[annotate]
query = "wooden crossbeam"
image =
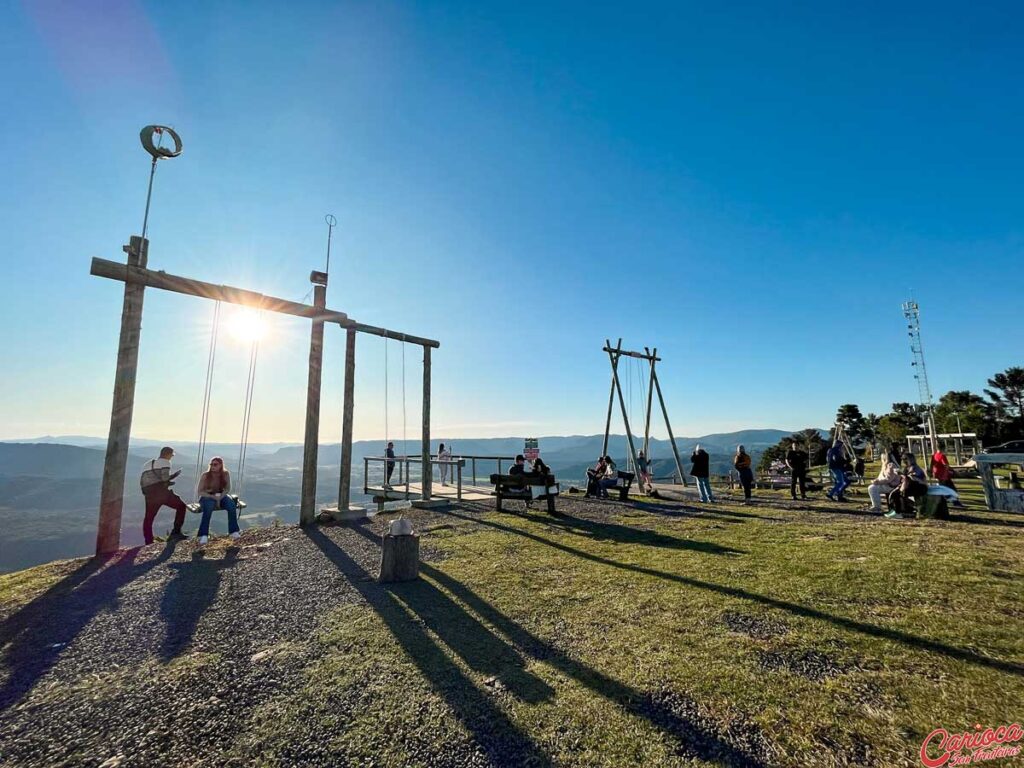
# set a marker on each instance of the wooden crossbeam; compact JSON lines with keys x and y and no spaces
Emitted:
{"x":627,"y":353}
{"x":137,"y":275}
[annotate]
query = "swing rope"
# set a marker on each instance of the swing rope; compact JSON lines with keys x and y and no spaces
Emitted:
{"x":405,"y":447}
{"x":243,"y":447}
{"x":205,"y":419}
{"x":386,"y":424}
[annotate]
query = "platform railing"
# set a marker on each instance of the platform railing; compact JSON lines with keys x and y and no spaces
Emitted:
{"x":403,"y":465}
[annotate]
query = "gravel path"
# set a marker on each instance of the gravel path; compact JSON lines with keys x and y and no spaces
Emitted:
{"x":158,"y":657}
{"x":63,"y":651}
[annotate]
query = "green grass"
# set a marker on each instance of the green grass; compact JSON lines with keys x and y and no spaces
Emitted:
{"x":579,"y":635}
{"x":619,"y":638}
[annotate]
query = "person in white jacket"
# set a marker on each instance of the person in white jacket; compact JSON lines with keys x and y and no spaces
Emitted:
{"x":443,"y":454}
{"x":888,"y":479}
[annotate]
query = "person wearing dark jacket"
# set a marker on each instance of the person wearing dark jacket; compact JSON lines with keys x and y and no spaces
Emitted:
{"x":796,"y":460}
{"x":743,"y":465}
{"x":836,"y":458}
{"x":701,"y":473}
{"x":594,"y":475}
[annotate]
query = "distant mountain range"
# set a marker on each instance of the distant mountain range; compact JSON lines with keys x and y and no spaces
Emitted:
{"x":49,"y":486}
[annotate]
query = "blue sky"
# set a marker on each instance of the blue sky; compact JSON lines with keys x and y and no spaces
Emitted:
{"x":752,"y":189}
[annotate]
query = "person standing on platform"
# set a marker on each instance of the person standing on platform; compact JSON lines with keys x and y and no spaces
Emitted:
{"x":443,"y":455}
{"x":156,"y":481}
{"x":796,"y":460}
{"x":701,"y":472}
{"x":743,"y":465}
{"x":389,"y":465}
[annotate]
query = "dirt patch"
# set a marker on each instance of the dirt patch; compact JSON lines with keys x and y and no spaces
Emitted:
{"x":697,"y":734}
{"x":758,"y":627}
{"x":811,"y":664}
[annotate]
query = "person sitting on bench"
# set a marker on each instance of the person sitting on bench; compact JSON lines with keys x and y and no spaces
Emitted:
{"x":540,"y":468}
{"x":888,"y":479}
{"x":611,"y":477}
{"x":214,"y":486}
{"x":519,"y":467}
{"x":594,"y":475}
{"x":156,"y":481}
{"x":913,"y":484}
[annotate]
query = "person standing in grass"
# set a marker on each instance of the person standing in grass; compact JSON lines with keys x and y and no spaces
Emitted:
{"x":942,"y":472}
{"x":836,"y":458}
{"x":643,"y":469}
{"x":743,"y":465}
{"x":701,"y":472}
{"x":796,"y":460}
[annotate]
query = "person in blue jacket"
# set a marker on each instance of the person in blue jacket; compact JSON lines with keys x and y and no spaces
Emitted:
{"x":836,"y":458}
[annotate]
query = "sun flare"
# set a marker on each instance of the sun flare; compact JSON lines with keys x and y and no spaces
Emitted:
{"x":248,"y":326}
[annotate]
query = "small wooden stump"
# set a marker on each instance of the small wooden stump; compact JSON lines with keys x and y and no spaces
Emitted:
{"x":400,"y":558}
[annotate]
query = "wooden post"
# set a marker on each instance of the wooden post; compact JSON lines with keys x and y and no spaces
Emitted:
{"x":345,"y":480}
{"x":108,"y":531}
{"x":650,"y":396}
{"x":427,"y":470}
{"x":611,"y":397}
{"x":622,"y":405}
{"x":399,"y":558}
{"x":307,"y":505}
{"x":671,"y":437}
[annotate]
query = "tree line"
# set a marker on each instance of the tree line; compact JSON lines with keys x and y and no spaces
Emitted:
{"x":995,"y":418}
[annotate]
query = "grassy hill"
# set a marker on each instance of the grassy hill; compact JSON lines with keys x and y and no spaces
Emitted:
{"x":638,"y":634}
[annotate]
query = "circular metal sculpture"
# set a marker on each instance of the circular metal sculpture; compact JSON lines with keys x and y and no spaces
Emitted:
{"x":147,"y":134}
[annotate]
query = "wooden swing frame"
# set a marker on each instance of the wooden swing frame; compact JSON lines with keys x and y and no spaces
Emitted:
{"x":136,"y":277}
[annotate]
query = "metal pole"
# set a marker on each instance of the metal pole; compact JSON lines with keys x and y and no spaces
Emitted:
{"x":345,"y":479}
{"x":474,"y":470}
{"x":108,"y":529}
{"x":458,"y":468}
{"x":671,"y":437}
{"x":307,"y":504}
{"x":428,"y":475}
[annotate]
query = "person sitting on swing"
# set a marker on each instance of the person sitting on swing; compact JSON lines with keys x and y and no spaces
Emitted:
{"x":594,"y":475}
{"x":156,"y":481}
{"x":214,"y":486}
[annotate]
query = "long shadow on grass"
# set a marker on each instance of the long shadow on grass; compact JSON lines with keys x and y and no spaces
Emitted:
{"x":894,"y":635}
{"x":37,"y":634}
{"x":190,"y":593}
{"x":693,"y":738}
{"x":624,"y":534}
{"x":502,"y":741}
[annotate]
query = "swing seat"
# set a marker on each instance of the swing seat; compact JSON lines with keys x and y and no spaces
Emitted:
{"x":194,"y":507}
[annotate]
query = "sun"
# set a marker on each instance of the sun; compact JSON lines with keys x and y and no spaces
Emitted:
{"x":247,"y":325}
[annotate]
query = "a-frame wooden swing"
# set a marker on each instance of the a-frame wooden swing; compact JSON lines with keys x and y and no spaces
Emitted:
{"x":136,"y":277}
{"x":653,"y":385}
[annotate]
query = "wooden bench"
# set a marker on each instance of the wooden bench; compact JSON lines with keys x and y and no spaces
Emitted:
{"x":622,"y":488}
{"x":526,"y":488}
